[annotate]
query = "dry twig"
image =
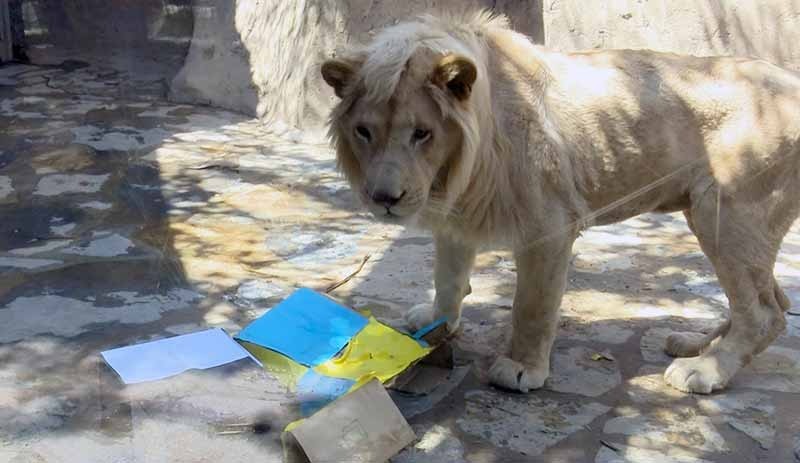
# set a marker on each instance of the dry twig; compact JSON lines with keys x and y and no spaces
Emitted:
{"x":342,"y":282}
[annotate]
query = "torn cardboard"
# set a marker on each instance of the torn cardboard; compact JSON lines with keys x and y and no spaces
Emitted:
{"x":422,"y":393}
{"x":362,"y":426}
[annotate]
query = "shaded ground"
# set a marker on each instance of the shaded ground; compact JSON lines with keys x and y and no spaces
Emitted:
{"x":129,"y":220}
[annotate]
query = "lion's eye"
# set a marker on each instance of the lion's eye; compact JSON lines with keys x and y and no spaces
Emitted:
{"x":421,"y":135}
{"x":363,"y":133}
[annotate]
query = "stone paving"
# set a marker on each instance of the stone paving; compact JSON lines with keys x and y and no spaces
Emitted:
{"x":129,"y":220}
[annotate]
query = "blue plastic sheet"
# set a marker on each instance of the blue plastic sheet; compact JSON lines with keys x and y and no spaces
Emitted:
{"x":427,"y":329}
{"x":315,"y":391}
{"x":307,"y":327}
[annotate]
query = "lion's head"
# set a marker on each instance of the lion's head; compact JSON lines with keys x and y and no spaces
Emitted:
{"x":406,"y":126}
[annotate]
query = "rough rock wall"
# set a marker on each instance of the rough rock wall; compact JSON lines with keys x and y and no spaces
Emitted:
{"x":146,"y":39}
{"x":107,"y":24}
{"x":768,"y":29}
{"x":262,"y":57}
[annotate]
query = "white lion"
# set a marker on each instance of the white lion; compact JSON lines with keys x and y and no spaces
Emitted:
{"x":483,"y":137}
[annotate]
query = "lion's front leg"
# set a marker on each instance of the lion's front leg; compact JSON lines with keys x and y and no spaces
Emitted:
{"x":541,"y":280}
{"x":454,"y":261}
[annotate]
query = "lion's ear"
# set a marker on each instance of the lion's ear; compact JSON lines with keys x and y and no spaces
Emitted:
{"x":456,"y":74}
{"x":338,"y":74}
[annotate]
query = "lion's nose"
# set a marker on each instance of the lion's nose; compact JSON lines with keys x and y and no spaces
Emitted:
{"x":387,"y":198}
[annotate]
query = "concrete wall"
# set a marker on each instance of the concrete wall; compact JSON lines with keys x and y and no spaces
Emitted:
{"x":262,"y":57}
{"x":768,"y":29}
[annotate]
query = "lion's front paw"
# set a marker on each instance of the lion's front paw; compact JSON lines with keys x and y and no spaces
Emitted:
{"x":422,"y":315}
{"x":510,"y":374}
{"x":419,"y":316}
{"x":702,"y":375}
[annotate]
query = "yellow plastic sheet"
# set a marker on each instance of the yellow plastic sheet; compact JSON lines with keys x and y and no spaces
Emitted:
{"x":377,"y":351}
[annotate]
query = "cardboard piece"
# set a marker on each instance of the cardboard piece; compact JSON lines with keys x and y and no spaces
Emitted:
{"x":432,"y":379}
{"x":422,"y":379}
{"x":425,"y":375}
{"x":307,"y":327}
{"x":442,"y":356}
{"x":427,"y":330}
{"x":434,"y":334}
{"x":163,"y":358}
{"x":362,"y":426}
{"x":435,"y":389}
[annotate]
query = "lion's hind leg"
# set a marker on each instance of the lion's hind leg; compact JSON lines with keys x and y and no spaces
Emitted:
{"x":736,"y":237}
{"x":689,"y":344}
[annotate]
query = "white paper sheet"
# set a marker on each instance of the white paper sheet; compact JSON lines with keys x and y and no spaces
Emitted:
{"x":167,"y":357}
